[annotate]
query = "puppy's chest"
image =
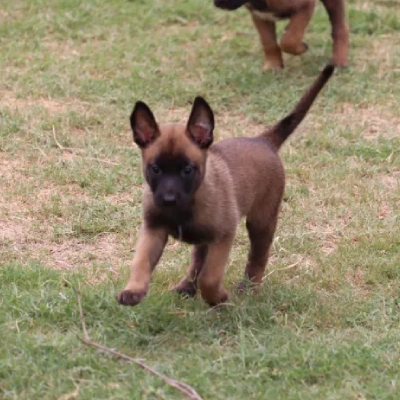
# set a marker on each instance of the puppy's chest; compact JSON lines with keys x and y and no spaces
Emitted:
{"x":182,"y":227}
{"x":191,"y":233}
{"x":265,"y":15}
{"x":261,"y":10}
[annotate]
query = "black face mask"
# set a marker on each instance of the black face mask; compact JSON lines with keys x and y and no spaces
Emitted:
{"x":173,"y":180}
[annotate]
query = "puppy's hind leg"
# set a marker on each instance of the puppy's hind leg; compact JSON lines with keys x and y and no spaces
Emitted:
{"x":261,"y":237}
{"x":292,"y":39}
{"x":188,"y":285}
{"x":340,"y":31}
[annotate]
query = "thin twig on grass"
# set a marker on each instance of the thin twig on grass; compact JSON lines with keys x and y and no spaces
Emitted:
{"x":187,"y":390}
{"x":79,"y":151}
{"x":281,"y":269}
{"x":59,"y":145}
{"x":102,"y":160}
{"x":40,"y":150}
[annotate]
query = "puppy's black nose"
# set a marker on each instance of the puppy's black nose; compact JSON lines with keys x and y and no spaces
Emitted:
{"x":169,"y":199}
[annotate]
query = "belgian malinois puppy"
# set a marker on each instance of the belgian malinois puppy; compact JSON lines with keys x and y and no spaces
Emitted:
{"x":266,"y":12}
{"x":197,"y":192}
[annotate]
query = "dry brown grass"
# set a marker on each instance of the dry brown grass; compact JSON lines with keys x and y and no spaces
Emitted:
{"x":226,"y":124}
{"x":9,"y":99}
{"x":26,"y":231}
{"x":375,"y":120}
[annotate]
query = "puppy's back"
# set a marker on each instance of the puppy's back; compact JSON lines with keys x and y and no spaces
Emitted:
{"x":255,"y":168}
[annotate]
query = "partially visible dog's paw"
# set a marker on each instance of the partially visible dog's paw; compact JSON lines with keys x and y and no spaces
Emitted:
{"x":340,"y":62}
{"x":247,"y":286}
{"x":130,"y":298}
{"x":294,"y":49}
{"x":185,"y":288}
{"x":243,"y":286}
{"x":272,"y":66}
{"x":217,"y":301}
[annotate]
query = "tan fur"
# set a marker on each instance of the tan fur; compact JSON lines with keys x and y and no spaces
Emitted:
{"x":174,"y":140}
{"x":241,"y":177}
{"x":299,"y":13}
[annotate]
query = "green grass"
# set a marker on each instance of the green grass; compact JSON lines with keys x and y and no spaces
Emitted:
{"x":70,"y":205}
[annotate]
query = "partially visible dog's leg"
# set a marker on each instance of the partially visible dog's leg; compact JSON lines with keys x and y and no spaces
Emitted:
{"x":267,"y":33}
{"x":188,"y":285}
{"x":292,"y":38}
{"x":260,"y":242}
{"x":213,"y":271}
{"x":149,"y":247}
{"x":340,"y":31}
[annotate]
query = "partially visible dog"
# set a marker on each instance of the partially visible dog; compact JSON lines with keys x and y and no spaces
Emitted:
{"x":197,"y":192}
{"x":266,"y":12}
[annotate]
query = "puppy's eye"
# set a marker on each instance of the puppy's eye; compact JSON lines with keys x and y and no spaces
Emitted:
{"x":155,"y":169}
{"x":187,"y":170}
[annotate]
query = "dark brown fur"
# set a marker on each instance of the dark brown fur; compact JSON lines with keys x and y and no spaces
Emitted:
{"x":299,"y":12}
{"x":235,"y":178}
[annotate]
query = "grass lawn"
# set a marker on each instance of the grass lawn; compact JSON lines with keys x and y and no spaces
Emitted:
{"x":326,"y":324}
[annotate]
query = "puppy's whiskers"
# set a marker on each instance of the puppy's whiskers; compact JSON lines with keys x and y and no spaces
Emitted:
{"x":180,"y":232}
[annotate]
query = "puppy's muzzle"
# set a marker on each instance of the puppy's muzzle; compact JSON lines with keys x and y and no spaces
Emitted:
{"x":169,"y":199}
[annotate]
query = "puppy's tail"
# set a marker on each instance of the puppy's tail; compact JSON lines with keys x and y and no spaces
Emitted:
{"x":277,"y":134}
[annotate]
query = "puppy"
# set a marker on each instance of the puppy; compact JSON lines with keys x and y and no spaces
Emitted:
{"x":299,"y":12}
{"x":197,"y":192}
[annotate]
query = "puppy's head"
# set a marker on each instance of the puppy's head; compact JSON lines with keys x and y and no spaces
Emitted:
{"x":229,"y":4}
{"x":173,"y":155}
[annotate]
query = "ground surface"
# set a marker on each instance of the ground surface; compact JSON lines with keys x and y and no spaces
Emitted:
{"x":327,"y":322}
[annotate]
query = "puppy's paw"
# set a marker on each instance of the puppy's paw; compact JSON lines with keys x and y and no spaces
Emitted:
{"x":185,"y":288}
{"x":294,"y":49}
{"x":248,"y":286}
{"x":243,"y":286}
{"x":272,"y":65}
{"x":340,"y":61}
{"x":130,"y":298}
{"x":217,"y":301}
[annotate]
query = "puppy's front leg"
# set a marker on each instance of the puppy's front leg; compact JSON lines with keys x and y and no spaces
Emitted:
{"x":149,"y":247}
{"x":267,"y":33}
{"x":213,"y":271}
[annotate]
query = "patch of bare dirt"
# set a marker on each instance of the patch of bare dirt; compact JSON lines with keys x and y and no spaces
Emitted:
{"x":229,"y":125}
{"x":14,"y":229}
{"x":29,"y":238}
{"x":27,"y":218}
{"x":125,"y":197}
{"x":4,"y":15}
{"x":103,"y":249}
{"x":329,"y":231}
{"x":380,"y":5}
{"x":379,"y":49}
{"x":16,"y":208}
{"x":9,"y":99}
{"x":226,"y":125}
{"x":391,"y":182}
{"x":63,"y":50}
{"x":375,"y":120}
{"x":356,"y":278}
{"x":12,"y":170}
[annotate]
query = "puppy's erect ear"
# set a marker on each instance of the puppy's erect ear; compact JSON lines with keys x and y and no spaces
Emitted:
{"x":144,"y":125}
{"x":200,"y":126}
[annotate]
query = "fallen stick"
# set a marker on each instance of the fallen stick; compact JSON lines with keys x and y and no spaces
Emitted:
{"x":73,"y":150}
{"x":187,"y":390}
